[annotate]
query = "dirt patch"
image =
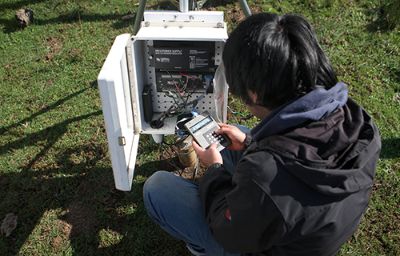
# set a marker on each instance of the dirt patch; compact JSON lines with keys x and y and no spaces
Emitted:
{"x":191,"y":173}
{"x":65,"y":228}
{"x":235,"y":15}
{"x":80,"y":220}
{"x":57,"y":242}
{"x":54,"y":46}
{"x":169,"y":161}
{"x":64,"y":233}
{"x":165,"y":5}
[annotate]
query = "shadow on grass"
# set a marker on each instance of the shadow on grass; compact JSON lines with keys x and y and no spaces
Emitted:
{"x":76,"y":188}
{"x":164,"y":5}
{"x":90,"y":205}
{"x":216,"y":3}
{"x":390,"y":148}
{"x":19,"y":4}
{"x":75,"y":16}
{"x":42,"y":111}
{"x":396,"y":76}
{"x":379,"y":21}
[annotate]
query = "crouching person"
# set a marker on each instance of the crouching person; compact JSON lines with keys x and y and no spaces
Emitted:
{"x":299,"y":182}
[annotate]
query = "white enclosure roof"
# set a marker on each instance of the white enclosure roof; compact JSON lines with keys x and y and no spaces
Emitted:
{"x":193,"y":26}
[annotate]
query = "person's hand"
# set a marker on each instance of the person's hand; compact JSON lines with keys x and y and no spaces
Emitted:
{"x":208,"y":156}
{"x":235,"y":134}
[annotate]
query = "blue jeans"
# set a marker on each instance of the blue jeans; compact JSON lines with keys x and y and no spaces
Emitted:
{"x":174,"y":203}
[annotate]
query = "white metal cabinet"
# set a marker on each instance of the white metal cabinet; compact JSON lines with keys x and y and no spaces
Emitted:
{"x":118,"y":113}
{"x":126,"y":71}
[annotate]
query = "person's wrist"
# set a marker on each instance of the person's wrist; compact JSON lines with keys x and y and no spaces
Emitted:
{"x":242,"y":139}
{"x":247,"y":140}
{"x":215,"y":165}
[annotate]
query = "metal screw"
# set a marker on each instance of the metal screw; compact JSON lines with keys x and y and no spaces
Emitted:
{"x":147,"y":24}
{"x":220,"y":25}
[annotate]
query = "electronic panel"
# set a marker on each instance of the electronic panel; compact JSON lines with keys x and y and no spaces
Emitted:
{"x":183,"y":56}
{"x":181,"y":73}
{"x":184,"y":82}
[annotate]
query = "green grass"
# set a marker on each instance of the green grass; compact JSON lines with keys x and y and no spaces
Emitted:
{"x":55,"y":172}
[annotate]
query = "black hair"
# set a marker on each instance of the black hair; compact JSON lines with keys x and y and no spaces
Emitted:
{"x":277,"y":57}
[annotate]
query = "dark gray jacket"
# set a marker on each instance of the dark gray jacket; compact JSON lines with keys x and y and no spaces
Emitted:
{"x":299,"y":191}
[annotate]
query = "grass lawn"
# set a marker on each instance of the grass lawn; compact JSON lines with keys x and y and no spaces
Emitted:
{"x":55,"y":171}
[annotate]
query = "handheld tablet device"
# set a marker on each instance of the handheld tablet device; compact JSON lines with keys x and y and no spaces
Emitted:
{"x":203,"y":128}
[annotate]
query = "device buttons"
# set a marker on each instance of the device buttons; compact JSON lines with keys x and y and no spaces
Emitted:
{"x":218,"y":137}
{"x":212,"y":137}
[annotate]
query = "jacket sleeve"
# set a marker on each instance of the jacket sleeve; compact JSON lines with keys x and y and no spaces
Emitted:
{"x":241,"y":215}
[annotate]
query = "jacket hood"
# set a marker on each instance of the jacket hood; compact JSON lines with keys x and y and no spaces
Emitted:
{"x":336,"y":154}
{"x":312,"y":106}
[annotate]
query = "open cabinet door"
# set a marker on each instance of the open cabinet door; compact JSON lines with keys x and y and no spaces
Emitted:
{"x":113,"y":82}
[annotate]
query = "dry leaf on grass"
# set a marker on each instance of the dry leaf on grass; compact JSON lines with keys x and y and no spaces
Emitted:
{"x":9,"y":224}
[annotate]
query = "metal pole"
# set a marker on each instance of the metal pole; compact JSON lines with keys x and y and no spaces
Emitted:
{"x":245,"y":8}
{"x":184,"y":5}
{"x":139,"y":16}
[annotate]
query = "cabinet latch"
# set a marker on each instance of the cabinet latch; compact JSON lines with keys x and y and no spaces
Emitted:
{"x":121,"y":141}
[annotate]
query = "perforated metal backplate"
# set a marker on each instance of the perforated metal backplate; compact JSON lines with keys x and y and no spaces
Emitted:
{"x":162,"y":102}
{"x":219,"y":47}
